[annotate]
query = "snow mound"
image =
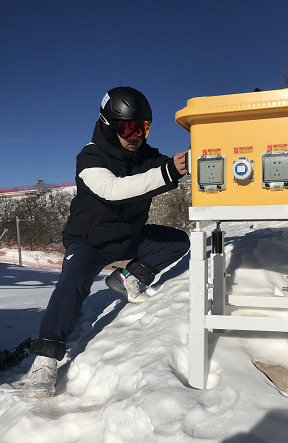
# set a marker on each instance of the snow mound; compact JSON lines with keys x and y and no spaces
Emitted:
{"x":124,"y":378}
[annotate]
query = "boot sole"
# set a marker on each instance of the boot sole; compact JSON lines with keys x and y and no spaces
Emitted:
{"x":124,"y":292}
{"x":40,"y":393}
{"x":116,"y":288}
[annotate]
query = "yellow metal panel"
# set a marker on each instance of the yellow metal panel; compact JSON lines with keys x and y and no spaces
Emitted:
{"x":239,"y":125}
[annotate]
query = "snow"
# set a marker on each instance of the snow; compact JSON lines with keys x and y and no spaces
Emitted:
{"x":35,"y":259}
{"x":124,"y":378}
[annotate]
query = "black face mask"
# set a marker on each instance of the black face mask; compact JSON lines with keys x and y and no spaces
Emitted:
{"x":109,"y":132}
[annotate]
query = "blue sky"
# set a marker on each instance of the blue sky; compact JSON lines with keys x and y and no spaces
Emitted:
{"x":59,"y":57}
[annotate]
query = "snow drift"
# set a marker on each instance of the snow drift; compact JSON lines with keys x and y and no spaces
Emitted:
{"x":124,"y":378}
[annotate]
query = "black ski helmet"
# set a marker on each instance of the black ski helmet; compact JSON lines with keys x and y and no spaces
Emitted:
{"x":124,"y":103}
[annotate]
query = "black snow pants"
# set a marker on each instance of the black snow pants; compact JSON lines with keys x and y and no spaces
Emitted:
{"x":156,"y":248}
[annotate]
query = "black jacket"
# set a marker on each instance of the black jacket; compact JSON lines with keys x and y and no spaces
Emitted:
{"x":114,"y":191}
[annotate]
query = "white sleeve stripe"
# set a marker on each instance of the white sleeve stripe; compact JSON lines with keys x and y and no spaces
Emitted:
{"x":168,"y":173}
{"x":104,"y":183}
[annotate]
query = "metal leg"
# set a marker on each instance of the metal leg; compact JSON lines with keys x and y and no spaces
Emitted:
{"x":198,"y":307}
{"x":218,"y":267}
{"x":219,"y":283}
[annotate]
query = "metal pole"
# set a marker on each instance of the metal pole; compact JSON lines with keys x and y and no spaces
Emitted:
{"x":18,"y":240}
{"x":198,"y":364}
{"x":3,"y":233}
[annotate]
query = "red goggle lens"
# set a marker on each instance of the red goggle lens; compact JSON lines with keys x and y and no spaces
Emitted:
{"x":131,"y":130}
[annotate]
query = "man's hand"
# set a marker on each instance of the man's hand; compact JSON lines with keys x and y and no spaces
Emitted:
{"x":179,"y":162}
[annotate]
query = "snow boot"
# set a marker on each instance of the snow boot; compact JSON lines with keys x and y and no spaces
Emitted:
{"x":44,"y":372}
{"x":122,"y":281}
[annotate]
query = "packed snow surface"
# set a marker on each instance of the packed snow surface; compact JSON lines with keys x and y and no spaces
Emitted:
{"x":124,"y":378}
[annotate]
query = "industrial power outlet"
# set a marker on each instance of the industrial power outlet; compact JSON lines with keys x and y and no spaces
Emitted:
{"x":239,"y":148}
{"x":211,"y":173}
{"x":274,"y":170}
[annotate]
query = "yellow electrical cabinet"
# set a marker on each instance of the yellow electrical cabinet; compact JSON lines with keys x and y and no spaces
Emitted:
{"x":239,"y":148}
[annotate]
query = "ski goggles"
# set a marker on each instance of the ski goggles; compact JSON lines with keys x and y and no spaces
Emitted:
{"x":131,"y":130}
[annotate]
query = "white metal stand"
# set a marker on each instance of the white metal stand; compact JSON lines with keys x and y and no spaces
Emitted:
{"x":209,"y":314}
